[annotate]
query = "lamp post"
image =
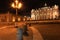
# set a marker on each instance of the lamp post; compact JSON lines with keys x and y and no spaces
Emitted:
{"x":17,"y":6}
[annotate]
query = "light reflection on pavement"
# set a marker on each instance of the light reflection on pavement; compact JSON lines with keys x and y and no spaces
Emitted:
{"x":7,"y":33}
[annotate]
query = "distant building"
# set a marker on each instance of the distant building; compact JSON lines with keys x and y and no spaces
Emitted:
{"x":8,"y":17}
{"x":45,"y":13}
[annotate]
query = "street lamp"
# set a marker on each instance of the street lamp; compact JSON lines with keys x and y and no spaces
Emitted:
{"x":17,"y":6}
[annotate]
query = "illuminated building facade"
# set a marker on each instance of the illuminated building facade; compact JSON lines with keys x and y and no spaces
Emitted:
{"x":45,"y":13}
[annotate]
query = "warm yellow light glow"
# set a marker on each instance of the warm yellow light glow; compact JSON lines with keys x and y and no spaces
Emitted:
{"x":13,"y":5}
{"x":32,"y":10}
{"x":20,"y":5}
{"x":16,"y":1}
{"x":16,"y":4}
{"x":33,"y":17}
{"x":56,"y":7}
{"x":19,"y":19}
{"x":13,"y":19}
{"x":25,"y":16}
{"x":23,"y":19}
{"x":55,"y":14}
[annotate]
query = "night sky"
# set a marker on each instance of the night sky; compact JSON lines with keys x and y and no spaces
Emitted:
{"x":5,"y":5}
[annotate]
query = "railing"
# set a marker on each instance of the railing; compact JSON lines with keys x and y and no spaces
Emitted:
{"x":31,"y":21}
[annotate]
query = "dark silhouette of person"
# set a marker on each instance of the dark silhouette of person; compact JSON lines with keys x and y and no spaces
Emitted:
{"x":25,"y":29}
{"x":19,"y":33}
